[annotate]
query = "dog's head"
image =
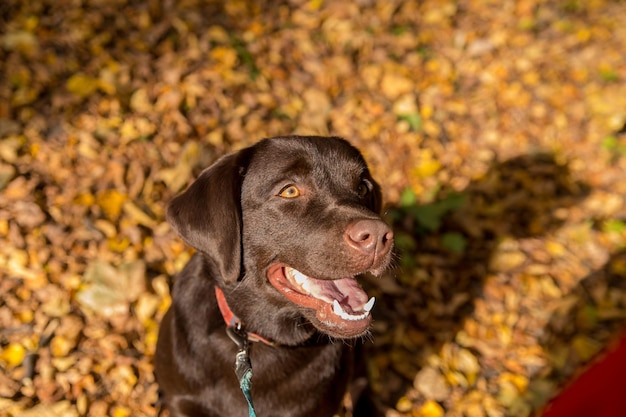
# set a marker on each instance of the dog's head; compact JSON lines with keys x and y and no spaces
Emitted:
{"x":287,"y":226}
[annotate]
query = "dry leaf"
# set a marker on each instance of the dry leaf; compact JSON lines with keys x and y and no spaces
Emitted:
{"x":107,"y":112}
{"x":109,"y":290}
{"x":82,"y":85}
{"x":430,"y":409}
{"x":431,"y":383}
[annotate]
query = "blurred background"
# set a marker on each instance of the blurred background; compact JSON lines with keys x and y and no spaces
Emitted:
{"x":495,"y":128}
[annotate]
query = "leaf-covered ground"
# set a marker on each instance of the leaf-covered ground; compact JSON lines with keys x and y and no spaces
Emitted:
{"x":496,"y":129}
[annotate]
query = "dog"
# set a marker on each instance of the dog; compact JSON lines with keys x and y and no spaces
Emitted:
{"x":282,"y":231}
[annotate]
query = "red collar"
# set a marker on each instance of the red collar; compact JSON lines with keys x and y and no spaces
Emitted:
{"x":233,"y":321}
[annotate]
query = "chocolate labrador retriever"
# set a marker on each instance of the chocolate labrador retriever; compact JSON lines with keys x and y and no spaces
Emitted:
{"x":283,"y":230}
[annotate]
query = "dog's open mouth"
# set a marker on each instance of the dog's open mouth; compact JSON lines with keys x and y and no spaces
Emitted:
{"x":340,"y":304}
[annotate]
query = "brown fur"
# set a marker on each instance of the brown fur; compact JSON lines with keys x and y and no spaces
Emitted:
{"x":237,"y":218}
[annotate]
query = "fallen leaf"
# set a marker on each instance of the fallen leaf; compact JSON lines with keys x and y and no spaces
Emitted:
{"x":432,"y":384}
{"x":59,"y":409}
{"x":21,"y":41}
{"x":111,"y":203}
{"x":430,"y":409}
{"x":108,"y":290}
{"x":82,"y":85}
{"x":13,"y":354}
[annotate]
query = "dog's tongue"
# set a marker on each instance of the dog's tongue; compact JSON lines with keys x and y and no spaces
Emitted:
{"x":339,"y":302}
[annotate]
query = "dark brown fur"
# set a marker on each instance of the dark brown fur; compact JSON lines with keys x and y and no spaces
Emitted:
{"x":243,"y":226}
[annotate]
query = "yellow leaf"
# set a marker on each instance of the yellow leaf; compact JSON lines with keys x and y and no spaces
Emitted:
{"x":140,"y":101}
{"x":121,"y":412}
{"x":394,"y":85}
{"x":520,"y":382}
{"x":426,"y":111}
{"x":111,"y":203}
{"x":82,"y":85}
{"x":428,"y":164}
{"x":106,"y":227}
{"x":467,"y":363}
{"x":618,"y":266}
{"x":34,"y":149}
{"x":427,"y":168}
{"x":31,"y":23}
{"x":507,"y":393}
{"x":585,"y":347}
{"x":128,"y":132}
{"x":13,"y":354}
{"x":26,"y":316}
{"x":430,"y":409}
{"x":106,"y":81}
{"x":151,"y":335}
{"x":224,"y":55}
{"x":215,"y":137}
{"x":21,"y":41}
{"x":315,"y":4}
{"x":138,"y":215}
{"x":555,"y":248}
{"x":85,"y":199}
{"x":583,"y":35}
{"x":60,"y":346}
{"x":217,"y":34}
{"x":404,"y":405}
{"x":507,"y":261}
{"x":118,"y":245}
{"x":549,"y":287}
{"x":146,"y":307}
{"x":106,"y":85}
{"x":505,"y":335}
{"x":404,"y":105}
{"x":62,"y":408}
{"x":456,"y":379}
{"x":175,"y":178}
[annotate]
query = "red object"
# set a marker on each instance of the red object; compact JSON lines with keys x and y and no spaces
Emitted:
{"x":599,"y":392}
{"x":233,"y":321}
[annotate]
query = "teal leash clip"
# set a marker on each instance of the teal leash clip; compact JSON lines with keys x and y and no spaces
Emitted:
{"x":243,"y":366}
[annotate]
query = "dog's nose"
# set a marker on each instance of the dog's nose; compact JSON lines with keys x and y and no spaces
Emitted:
{"x":369,"y":236}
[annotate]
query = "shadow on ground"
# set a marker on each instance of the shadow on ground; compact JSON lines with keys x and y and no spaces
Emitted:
{"x":445,"y":253}
{"x":589,"y":318}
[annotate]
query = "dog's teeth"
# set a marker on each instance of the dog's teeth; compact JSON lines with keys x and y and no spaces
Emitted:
{"x":368,"y":307}
{"x":339,"y":311}
{"x":301,"y":279}
{"x":306,"y":286}
{"x":299,"y":276}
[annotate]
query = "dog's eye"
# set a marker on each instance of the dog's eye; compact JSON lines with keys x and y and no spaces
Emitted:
{"x":363,"y":189}
{"x":290,"y":191}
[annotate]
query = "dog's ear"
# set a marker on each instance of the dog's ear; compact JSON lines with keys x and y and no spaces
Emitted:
{"x":208,"y":214}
